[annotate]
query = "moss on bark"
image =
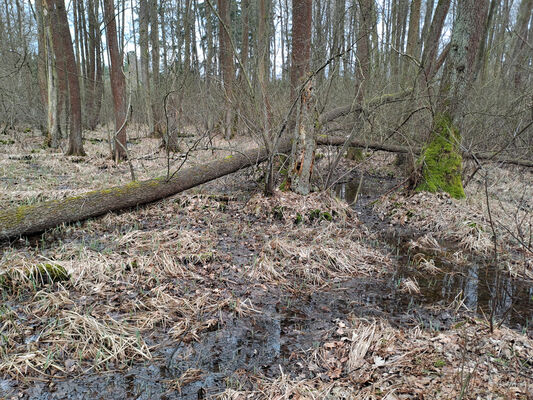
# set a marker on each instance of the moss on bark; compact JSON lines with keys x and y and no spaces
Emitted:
{"x":441,"y":160}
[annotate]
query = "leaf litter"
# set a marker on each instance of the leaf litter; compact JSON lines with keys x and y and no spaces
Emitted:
{"x":244,"y":296}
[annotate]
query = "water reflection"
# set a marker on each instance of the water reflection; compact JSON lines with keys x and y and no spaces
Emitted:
{"x":483,"y":289}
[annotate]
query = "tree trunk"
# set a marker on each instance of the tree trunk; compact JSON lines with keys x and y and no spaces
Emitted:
{"x":75,"y":142}
{"x":42,"y":53}
{"x":157,"y":106}
{"x":303,"y":149}
{"x":245,"y":10}
{"x":144,"y":18}
{"x":226,"y":64}
{"x":431,"y":45}
{"x":94,"y":86}
{"x":442,"y":159}
{"x":118,"y":82}
{"x":338,"y":35}
{"x":53,"y":133}
{"x":518,"y":54}
{"x":413,"y":36}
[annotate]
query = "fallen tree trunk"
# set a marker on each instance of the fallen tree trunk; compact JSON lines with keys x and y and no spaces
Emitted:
{"x":392,"y":148}
{"x":26,"y":220}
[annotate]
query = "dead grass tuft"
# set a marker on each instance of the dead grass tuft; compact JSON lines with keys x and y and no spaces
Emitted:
{"x":312,"y":256}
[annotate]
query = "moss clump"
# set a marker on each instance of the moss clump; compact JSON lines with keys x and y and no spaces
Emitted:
{"x":442,"y":161}
{"x":37,"y":275}
{"x":355,"y":154}
{"x":320,"y":215}
{"x":48,"y":273}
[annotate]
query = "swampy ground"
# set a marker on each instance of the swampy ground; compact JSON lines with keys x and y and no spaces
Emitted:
{"x":362,"y":291}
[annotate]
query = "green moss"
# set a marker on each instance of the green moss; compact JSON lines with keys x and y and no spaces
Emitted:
{"x":228,"y":157}
{"x":318,"y":214}
{"x":439,"y":363}
{"x":355,"y":154}
{"x":442,"y":161}
{"x":47,"y":273}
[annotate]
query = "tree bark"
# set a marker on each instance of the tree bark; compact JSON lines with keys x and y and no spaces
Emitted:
{"x":441,"y":170}
{"x":413,"y":36}
{"x":303,"y":149}
{"x":53,"y":135}
{"x":518,"y":54}
{"x":95,"y":84}
{"x":226,"y":64}
{"x":75,"y":142}
{"x":118,"y":82}
{"x":157,"y":106}
{"x":431,"y":45}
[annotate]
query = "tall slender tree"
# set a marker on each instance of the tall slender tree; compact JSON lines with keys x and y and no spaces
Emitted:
{"x":118,"y":82}
{"x":75,"y":141}
{"x":227,"y":67}
{"x":304,"y":142}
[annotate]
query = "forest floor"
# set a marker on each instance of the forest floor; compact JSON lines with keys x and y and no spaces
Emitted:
{"x":361,"y":292}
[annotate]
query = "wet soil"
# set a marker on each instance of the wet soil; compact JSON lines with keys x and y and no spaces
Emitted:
{"x":287,"y":327}
{"x":480,"y":288}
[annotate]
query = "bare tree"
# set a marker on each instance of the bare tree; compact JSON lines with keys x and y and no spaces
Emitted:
{"x":75,"y":142}
{"x":118,"y":82}
{"x":304,"y":143}
{"x":226,"y":64}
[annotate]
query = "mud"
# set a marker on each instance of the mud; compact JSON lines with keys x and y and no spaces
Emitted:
{"x":481,"y":288}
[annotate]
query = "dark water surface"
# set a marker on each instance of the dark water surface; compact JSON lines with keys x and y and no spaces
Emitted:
{"x":480,"y":287}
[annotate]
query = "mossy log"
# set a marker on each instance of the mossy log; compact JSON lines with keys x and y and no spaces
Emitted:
{"x":26,"y":220}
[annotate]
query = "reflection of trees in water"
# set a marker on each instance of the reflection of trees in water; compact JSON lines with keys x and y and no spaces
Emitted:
{"x":481,"y":288}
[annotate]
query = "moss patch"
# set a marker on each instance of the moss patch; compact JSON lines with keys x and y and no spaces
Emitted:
{"x":442,"y":161}
{"x":47,"y":273}
{"x":355,"y":154}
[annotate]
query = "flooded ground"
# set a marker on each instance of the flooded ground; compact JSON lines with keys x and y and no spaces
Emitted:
{"x":481,"y":287}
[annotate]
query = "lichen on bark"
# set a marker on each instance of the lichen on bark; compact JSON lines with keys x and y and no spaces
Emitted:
{"x":441,"y":160}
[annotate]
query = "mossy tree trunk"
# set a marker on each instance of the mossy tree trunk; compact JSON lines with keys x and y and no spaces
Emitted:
{"x":441,"y":159}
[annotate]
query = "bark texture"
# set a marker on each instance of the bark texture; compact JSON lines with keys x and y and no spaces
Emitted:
{"x":75,"y":142}
{"x":303,"y":149}
{"x":226,"y":63}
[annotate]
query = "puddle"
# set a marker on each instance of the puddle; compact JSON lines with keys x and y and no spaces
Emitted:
{"x":484,"y":290}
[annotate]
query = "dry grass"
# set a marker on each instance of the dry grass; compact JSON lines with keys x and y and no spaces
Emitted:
{"x":160,"y":273}
{"x":319,"y":241}
{"x":373,"y":360}
{"x":465,"y":227}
